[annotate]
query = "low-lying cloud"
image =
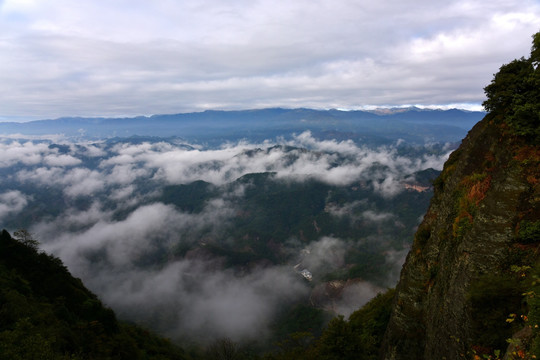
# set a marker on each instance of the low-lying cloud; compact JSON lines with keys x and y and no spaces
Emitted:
{"x":193,"y":297}
{"x":125,"y":242}
{"x":333,"y":162}
{"x":202,"y":301}
{"x":12,"y":202}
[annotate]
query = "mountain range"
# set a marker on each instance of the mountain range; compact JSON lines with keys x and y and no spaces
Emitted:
{"x":215,"y":127}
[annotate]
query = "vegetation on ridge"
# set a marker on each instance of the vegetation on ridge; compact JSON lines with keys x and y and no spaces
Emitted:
{"x":47,"y":314}
{"x":514,"y":94}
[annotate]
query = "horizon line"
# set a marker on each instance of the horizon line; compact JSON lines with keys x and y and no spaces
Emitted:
{"x":471,"y":107}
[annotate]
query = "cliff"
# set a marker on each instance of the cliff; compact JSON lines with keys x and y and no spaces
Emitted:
{"x":476,"y":251}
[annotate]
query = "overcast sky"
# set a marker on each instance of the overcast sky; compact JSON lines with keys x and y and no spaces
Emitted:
{"x":138,"y":57}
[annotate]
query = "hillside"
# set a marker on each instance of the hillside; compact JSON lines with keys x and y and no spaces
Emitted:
{"x":469,"y":281}
{"x":45,"y":313}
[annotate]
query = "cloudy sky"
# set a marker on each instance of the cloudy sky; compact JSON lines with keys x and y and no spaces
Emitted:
{"x":136,"y":57}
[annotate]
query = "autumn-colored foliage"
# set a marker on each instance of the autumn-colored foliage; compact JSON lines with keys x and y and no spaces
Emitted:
{"x":478,"y":191}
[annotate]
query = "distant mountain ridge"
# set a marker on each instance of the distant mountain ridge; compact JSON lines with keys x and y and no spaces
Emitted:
{"x":412,"y":124}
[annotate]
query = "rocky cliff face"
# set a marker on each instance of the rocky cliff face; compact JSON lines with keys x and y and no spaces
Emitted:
{"x":459,"y":283}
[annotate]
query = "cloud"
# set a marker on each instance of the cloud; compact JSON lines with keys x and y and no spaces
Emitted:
{"x":61,"y":160}
{"x":376,"y":217}
{"x":333,"y":162}
{"x":12,"y":202}
{"x":395,"y":260}
{"x":27,"y":153}
{"x":132,"y":58}
{"x":355,"y":296}
{"x":146,"y":231}
{"x":89,"y":169}
{"x":193,"y":297}
{"x":77,"y":181}
{"x":324,"y":256}
{"x":130,"y":247}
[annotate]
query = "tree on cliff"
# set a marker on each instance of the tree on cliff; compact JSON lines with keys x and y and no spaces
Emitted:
{"x":514,"y":94}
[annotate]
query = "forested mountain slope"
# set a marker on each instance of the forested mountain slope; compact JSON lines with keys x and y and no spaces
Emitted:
{"x":45,"y":313}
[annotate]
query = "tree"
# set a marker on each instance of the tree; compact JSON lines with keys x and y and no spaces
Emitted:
{"x":223,"y":349}
{"x":513,"y":96}
{"x":26,"y":238}
{"x":535,"y":50}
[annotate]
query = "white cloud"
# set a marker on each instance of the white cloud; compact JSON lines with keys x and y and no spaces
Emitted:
{"x":330,"y":161}
{"x":12,"y":202}
{"x":324,"y":256}
{"x":27,"y":153}
{"x":333,"y":162}
{"x":93,"y":150}
{"x":77,"y":233}
{"x":375,"y":216}
{"x":61,"y":160}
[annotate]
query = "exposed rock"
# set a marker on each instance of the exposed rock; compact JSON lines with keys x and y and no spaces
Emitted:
{"x":416,"y":187}
{"x":483,"y":193}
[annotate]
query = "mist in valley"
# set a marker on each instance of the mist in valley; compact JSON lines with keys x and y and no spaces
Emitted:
{"x":183,"y":265}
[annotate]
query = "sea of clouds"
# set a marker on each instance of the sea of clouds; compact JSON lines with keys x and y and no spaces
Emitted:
{"x":193,"y":296}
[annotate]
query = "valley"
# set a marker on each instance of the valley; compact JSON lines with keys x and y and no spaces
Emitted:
{"x":188,"y":239}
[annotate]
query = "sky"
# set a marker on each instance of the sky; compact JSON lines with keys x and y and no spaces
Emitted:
{"x":135,"y":57}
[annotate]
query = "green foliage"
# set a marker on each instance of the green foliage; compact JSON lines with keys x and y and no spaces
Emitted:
{"x":226,"y":349}
{"x":513,"y":96}
{"x":45,"y":313}
{"x":25,"y":342}
{"x":532,"y":296}
{"x":529,"y":232}
{"x":301,"y":318}
{"x":493,"y":297}
{"x":359,"y":337}
{"x":339,"y":341}
{"x":470,"y":192}
{"x":191,"y":197}
{"x":462,"y":224}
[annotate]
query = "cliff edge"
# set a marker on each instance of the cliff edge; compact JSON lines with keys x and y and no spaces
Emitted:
{"x":467,"y":285}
